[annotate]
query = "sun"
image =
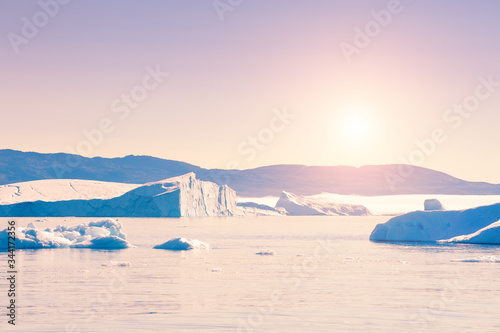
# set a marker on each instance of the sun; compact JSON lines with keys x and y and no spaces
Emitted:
{"x":355,"y":126}
{"x":355,"y":123}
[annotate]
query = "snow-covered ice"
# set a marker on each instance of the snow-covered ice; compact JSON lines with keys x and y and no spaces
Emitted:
{"x":183,"y":244}
{"x":61,"y":189}
{"x":476,"y":225}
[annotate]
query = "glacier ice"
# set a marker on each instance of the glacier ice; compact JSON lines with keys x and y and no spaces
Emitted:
{"x":476,"y":225}
{"x":183,"y":244}
{"x":299,"y":205}
{"x":182,"y":196}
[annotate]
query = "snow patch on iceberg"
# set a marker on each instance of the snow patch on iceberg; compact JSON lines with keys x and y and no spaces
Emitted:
{"x":183,"y":244}
{"x":487,"y":235}
{"x":105,"y":234}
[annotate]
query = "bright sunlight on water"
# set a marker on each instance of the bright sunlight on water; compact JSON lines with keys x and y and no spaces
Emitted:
{"x":325,"y":276}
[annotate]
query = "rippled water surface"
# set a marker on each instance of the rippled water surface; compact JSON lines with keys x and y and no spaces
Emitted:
{"x":325,"y":277}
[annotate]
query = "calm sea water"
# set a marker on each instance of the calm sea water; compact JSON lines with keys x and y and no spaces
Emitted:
{"x":325,"y":277}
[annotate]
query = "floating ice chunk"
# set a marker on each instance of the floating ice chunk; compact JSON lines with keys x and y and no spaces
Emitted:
{"x":117,"y":264}
{"x":46,"y":239}
{"x":114,"y":227}
{"x":109,"y":243}
{"x":266,"y":253}
{"x":105,"y":234}
{"x":488,"y":259}
{"x":183,"y":244}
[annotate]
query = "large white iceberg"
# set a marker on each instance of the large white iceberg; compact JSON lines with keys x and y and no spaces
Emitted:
{"x":299,"y":205}
{"x":476,"y":225}
{"x":174,"y":197}
{"x":61,"y":189}
{"x":105,"y":234}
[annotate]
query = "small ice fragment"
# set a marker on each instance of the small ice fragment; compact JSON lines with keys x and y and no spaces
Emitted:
{"x":487,"y":259}
{"x":266,"y":253}
{"x":112,"y":263}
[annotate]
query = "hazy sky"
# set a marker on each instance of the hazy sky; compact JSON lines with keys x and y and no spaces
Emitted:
{"x":256,"y":82}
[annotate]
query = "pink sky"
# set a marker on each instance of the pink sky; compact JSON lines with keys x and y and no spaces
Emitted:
{"x":227,"y":78}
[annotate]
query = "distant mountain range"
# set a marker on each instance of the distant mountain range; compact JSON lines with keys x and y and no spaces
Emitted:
{"x":17,"y":166}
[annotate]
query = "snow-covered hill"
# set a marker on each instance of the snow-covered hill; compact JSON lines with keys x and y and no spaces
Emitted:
{"x":17,"y":166}
{"x":61,"y":189}
{"x":174,"y":197}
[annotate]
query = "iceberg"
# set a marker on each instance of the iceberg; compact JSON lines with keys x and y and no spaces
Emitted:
{"x":183,"y":244}
{"x":476,"y":225}
{"x":433,"y":204}
{"x":183,"y":196}
{"x":105,"y":235}
{"x":255,"y":209}
{"x":301,"y":206}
